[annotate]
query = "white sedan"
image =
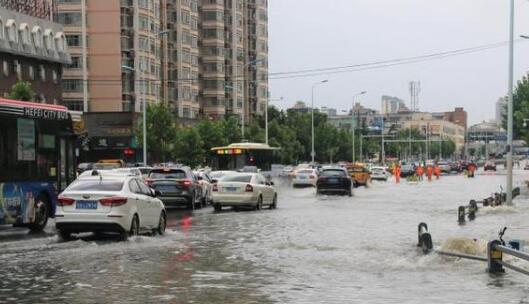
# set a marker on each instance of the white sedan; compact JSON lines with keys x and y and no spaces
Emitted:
{"x":380,"y":173}
{"x":305,"y":177}
{"x":109,"y":202}
{"x":244,"y":190}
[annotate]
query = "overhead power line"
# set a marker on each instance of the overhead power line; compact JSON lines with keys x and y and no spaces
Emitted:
{"x":333,"y":70}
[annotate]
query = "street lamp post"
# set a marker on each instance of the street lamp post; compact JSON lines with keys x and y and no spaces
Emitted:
{"x":353,"y":123}
{"x":313,"y":153}
{"x":144,"y":112}
{"x":235,"y":91}
{"x":510,"y":105}
{"x":266,"y":117}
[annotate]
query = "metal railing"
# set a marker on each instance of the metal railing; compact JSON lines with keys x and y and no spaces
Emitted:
{"x":495,"y":251}
{"x":470,"y":210}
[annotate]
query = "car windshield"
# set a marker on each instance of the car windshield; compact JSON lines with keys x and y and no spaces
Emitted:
{"x":407,"y":167}
{"x":105,"y":166}
{"x":171,"y":174}
{"x":96,"y":185}
{"x":333,"y":173}
{"x":305,"y":172}
{"x":145,"y":170}
{"x":237,"y":178}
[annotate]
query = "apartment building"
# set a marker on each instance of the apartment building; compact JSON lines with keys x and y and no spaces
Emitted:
{"x":203,"y":58}
{"x":234,"y":57}
{"x":32,"y":49}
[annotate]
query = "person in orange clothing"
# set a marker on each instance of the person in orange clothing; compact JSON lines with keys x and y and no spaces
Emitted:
{"x":397,"y":173}
{"x":419,"y":172}
{"x":429,"y":172}
{"x":437,"y":171}
{"x":471,"y":168}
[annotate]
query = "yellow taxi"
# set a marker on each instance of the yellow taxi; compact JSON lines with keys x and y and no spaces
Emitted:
{"x":360,"y":174}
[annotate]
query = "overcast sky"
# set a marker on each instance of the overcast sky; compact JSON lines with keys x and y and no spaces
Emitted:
{"x":307,"y":34}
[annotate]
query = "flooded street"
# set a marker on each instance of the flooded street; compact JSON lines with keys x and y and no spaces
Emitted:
{"x":310,"y":250}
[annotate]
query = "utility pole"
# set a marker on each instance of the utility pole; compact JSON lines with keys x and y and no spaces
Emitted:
{"x":510,"y":106}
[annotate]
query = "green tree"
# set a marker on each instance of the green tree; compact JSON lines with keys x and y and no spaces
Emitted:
{"x":231,"y":129}
{"x":161,"y":132}
{"x":21,"y":91}
{"x":520,"y":109}
{"x":212,"y":134}
{"x":189,"y":147}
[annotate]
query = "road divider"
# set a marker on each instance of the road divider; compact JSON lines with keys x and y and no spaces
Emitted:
{"x":469,"y":211}
{"x":496,"y":249}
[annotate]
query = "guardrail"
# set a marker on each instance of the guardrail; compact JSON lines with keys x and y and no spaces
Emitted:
{"x":469,"y":211}
{"x":495,"y":251}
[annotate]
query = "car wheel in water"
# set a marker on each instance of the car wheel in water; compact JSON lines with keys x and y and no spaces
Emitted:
{"x":134,"y":229}
{"x":198,"y":202}
{"x":162,"y":224}
{"x":217,"y":207}
{"x":64,"y":235}
{"x":41,"y":214}
{"x":191,"y":203}
{"x":274,"y":202}
{"x":259,"y":204}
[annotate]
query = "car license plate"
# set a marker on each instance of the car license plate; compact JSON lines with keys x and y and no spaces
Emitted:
{"x":165,"y":188}
{"x":302,"y":177}
{"x":86,"y":205}
{"x":333,"y":180}
{"x":230,"y":189}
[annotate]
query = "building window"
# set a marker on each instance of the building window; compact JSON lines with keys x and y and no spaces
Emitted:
{"x":144,"y":23}
{"x":73,"y":40}
{"x":41,"y":71}
{"x":31,"y":72}
{"x":73,"y":105}
{"x":18,"y":69}
{"x":5,"y":68}
{"x":77,"y":63}
{"x":186,"y":113}
{"x":72,"y":85}
{"x":69,"y":18}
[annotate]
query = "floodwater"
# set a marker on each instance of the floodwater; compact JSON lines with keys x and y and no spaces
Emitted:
{"x":311,"y":249}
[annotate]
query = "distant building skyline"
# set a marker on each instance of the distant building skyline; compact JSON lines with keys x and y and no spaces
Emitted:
{"x":392,"y":105}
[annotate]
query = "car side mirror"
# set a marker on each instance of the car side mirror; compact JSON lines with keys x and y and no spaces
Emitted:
{"x":214,"y":181}
{"x":157,"y":193}
{"x":199,"y":178}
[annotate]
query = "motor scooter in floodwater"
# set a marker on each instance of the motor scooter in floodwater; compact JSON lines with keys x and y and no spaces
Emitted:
{"x":471,"y":170}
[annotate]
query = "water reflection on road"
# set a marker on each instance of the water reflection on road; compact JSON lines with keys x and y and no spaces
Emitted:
{"x":311,"y":250}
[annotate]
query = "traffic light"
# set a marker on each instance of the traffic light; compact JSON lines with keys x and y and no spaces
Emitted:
{"x":128,"y":152}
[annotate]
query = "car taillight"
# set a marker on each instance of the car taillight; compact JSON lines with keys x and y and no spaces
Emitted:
{"x":113,"y":201}
{"x":149,"y":182}
{"x":312,"y":177}
{"x":249,"y":188}
{"x":186,"y":183}
{"x":64,"y":201}
{"x":215,"y":188}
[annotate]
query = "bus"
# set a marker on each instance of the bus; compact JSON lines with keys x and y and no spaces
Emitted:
{"x":37,"y":161}
{"x":239,"y":155}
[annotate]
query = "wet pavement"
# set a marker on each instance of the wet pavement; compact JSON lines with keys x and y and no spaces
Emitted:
{"x":325,"y":249}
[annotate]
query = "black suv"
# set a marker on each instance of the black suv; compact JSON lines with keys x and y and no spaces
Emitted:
{"x":334,"y":180}
{"x":177,"y":185}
